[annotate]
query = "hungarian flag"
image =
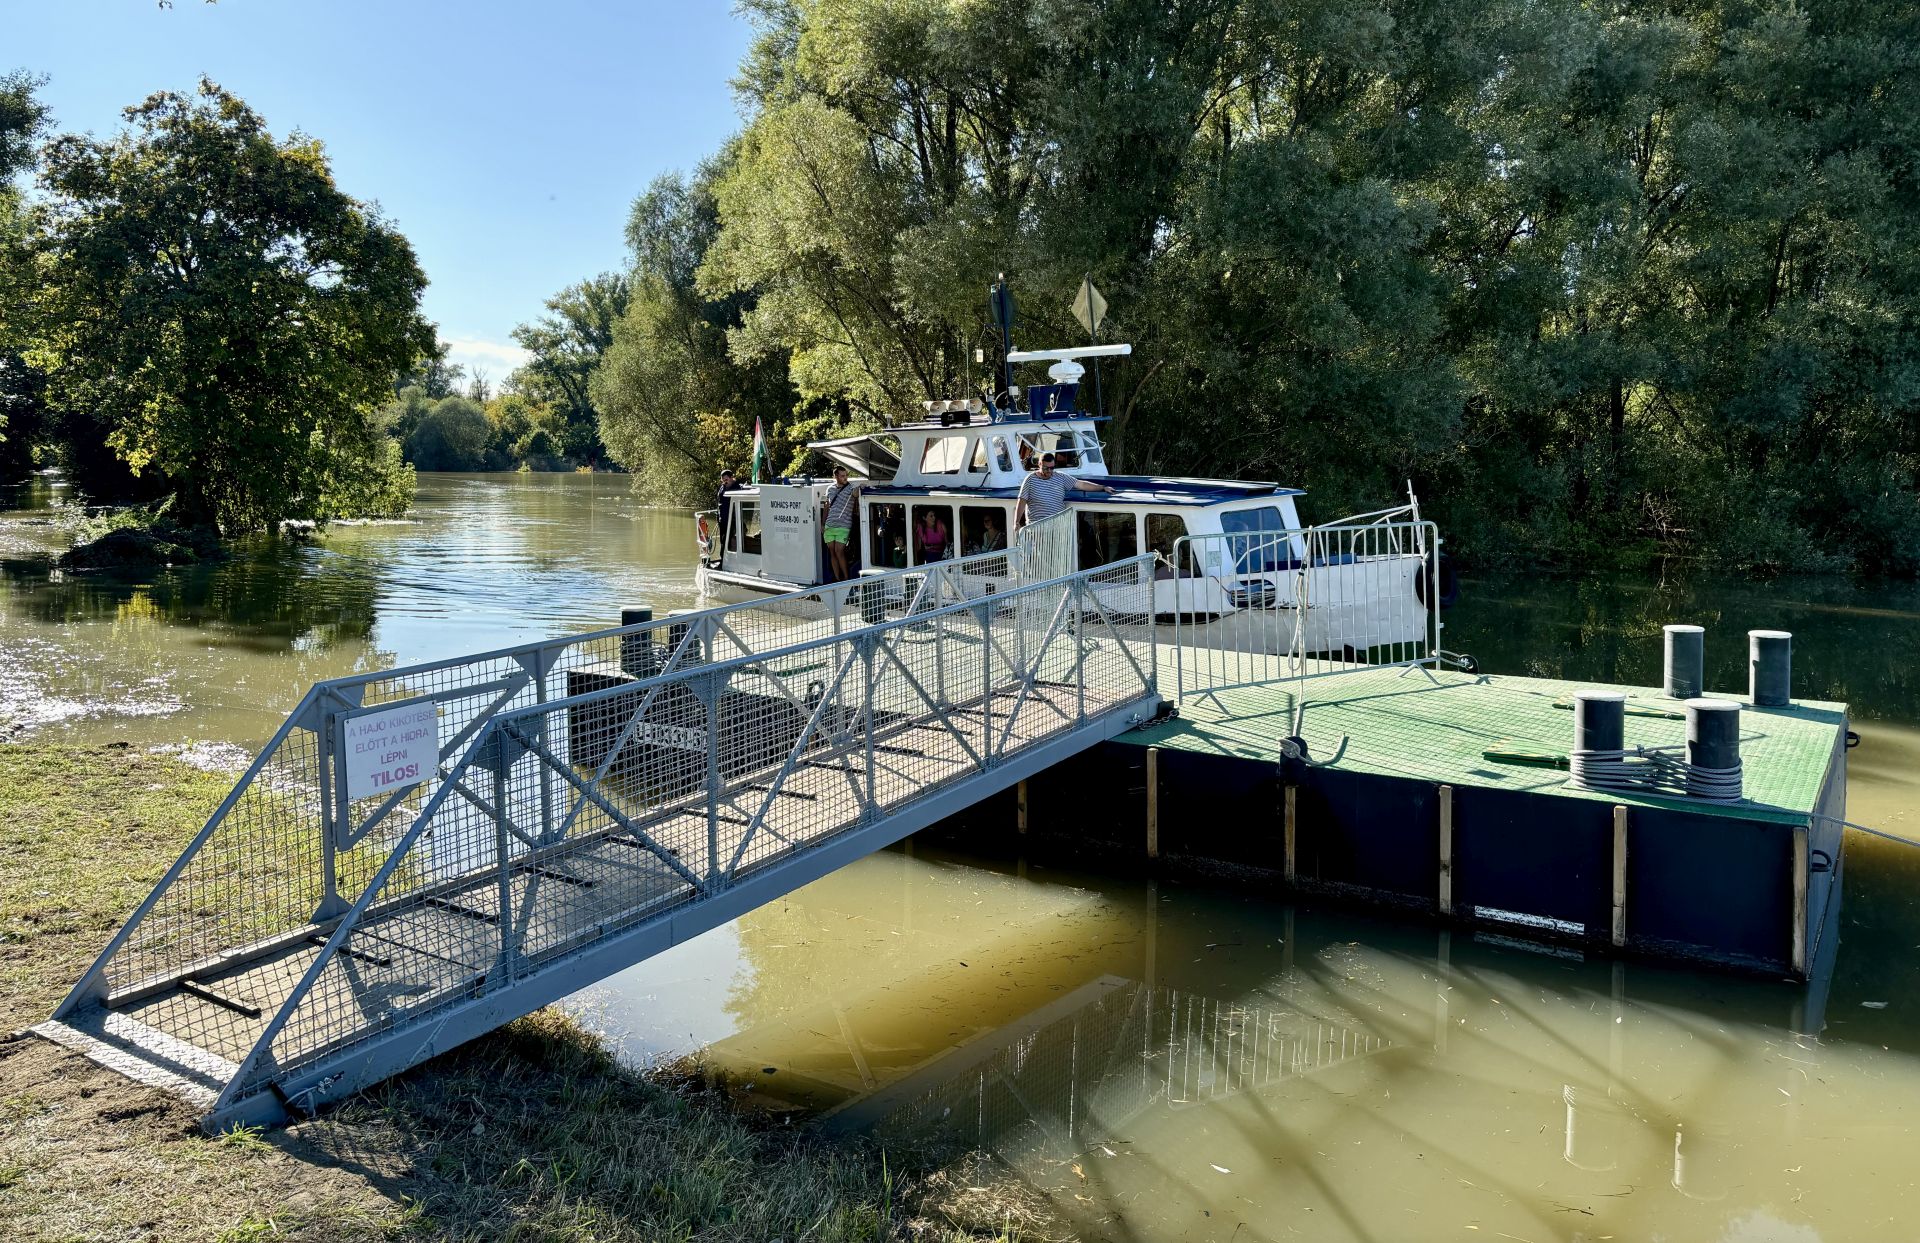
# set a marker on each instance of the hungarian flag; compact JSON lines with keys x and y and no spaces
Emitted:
{"x":759,"y":449}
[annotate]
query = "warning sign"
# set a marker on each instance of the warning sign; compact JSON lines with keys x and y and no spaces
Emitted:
{"x":390,"y":750}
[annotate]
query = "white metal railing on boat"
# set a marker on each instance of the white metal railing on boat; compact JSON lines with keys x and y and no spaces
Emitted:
{"x":1258,"y":607}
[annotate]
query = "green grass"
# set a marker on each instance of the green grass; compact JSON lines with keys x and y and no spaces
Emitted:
{"x":533,"y":1132}
{"x":88,"y":830}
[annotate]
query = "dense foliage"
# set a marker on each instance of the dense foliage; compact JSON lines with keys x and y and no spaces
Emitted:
{"x":675,"y":402}
{"x":1601,"y":280}
{"x":565,"y":346}
{"x":22,"y":406}
{"x":214,"y":311}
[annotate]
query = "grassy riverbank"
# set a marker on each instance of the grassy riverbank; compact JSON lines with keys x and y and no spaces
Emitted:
{"x":533,"y":1132}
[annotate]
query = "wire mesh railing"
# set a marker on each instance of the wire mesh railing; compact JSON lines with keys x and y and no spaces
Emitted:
{"x":583,"y":786}
{"x":293,"y":838}
{"x":1257,"y":607}
{"x":569,"y":821}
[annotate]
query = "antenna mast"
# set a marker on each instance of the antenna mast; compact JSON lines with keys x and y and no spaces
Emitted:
{"x":1000,"y":310}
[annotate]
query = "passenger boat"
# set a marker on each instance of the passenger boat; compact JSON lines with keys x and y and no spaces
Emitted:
{"x":1235,"y":567}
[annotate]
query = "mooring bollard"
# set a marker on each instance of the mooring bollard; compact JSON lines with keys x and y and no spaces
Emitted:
{"x":1599,"y":720}
{"x":1599,"y":725}
{"x":1713,"y":748}
{"x":636,"y":650}
{"x":1770,"y":668}
{"x":1686,"y":661}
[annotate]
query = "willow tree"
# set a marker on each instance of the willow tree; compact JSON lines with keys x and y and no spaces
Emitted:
{"x":876,"y":190}
{"x":223,"y":316}
{"x":565,"y":346}
{"x":1604,"y":280}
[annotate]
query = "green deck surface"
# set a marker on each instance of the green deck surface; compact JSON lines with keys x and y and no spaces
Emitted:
{"x":1405,"y":723}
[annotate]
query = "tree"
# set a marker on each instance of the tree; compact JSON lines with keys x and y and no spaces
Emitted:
{"x":1605,"y":281}
{"x":567,"y":343}
{"x":22,"y":388}
{"x":432,"y":374}
{"x":674,"y":405}
{"x":452,"y":434}
{"x":221,"y":311}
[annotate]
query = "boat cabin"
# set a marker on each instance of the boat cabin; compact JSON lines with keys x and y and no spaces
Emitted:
{"x":948,"y":486}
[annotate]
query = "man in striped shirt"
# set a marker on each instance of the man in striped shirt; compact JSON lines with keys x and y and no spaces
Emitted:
{"x":841,"y":499}
{"x":1044,"y":493}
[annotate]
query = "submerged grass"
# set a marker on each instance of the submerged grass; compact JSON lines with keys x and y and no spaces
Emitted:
{"x":533,"y":1132}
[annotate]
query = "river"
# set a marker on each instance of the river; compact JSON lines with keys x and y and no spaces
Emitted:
{"x":1165,"y":1060}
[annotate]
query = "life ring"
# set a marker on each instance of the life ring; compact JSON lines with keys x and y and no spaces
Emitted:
{"x":1440,"y":567}
{"x":702,"y":533}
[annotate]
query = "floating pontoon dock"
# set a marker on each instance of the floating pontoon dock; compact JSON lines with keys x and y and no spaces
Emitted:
{"x":1397,"y":803}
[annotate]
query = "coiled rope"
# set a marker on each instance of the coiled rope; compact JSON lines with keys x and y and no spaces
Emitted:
{"x":1660,"y":770}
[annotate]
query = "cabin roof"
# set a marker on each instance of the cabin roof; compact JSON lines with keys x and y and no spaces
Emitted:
{"x":1007,"y":418}
{"x":1127,"y":490}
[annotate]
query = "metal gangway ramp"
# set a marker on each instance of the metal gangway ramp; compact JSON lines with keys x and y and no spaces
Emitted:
{"x":595,"y":800}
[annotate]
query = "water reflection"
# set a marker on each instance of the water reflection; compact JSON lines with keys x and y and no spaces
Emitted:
{"x":1857,"y":643}
{"x":1185,"y":1062}
{"x":222,"y":651}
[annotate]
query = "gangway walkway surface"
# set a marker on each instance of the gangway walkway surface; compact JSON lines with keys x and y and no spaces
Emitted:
{"x":596,"y":799}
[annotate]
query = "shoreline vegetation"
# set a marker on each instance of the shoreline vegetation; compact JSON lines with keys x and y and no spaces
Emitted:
{"x":1602,"y":283}
{"x":533,"y":1131}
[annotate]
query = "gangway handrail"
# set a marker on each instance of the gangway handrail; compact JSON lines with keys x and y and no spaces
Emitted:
{"x":746,"y":660}
{"x":508,"y":726}
{"x":535,"y":659}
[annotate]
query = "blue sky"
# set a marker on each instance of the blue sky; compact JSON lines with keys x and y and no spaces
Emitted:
{"x":506,"y":138}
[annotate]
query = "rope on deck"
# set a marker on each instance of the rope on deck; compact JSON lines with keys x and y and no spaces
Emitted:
{"x":1655,"y":770}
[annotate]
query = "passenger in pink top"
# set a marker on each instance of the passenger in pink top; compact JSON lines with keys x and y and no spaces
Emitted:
{"x":932,"y":533}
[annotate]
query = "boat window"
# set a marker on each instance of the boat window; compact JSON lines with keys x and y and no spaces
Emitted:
{"x":1258,"y":546}
{"x":979,"y":463}
{"x":1107,"y":535}
{"x":1266,"y":518}
{"x":932,"y":533}
{"x":943,"y":455}
{"x":1090,"y":448}
{"x":983,"y":528}
{"x":1163,"y":530}
{"x":1001,"y":459}
{"x":1060,"y":444}
{"x":746,"y":521}
{"x":887,"y":542}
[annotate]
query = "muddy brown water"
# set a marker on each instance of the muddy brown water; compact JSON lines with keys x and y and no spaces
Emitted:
{"x":1165,"y":1060}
